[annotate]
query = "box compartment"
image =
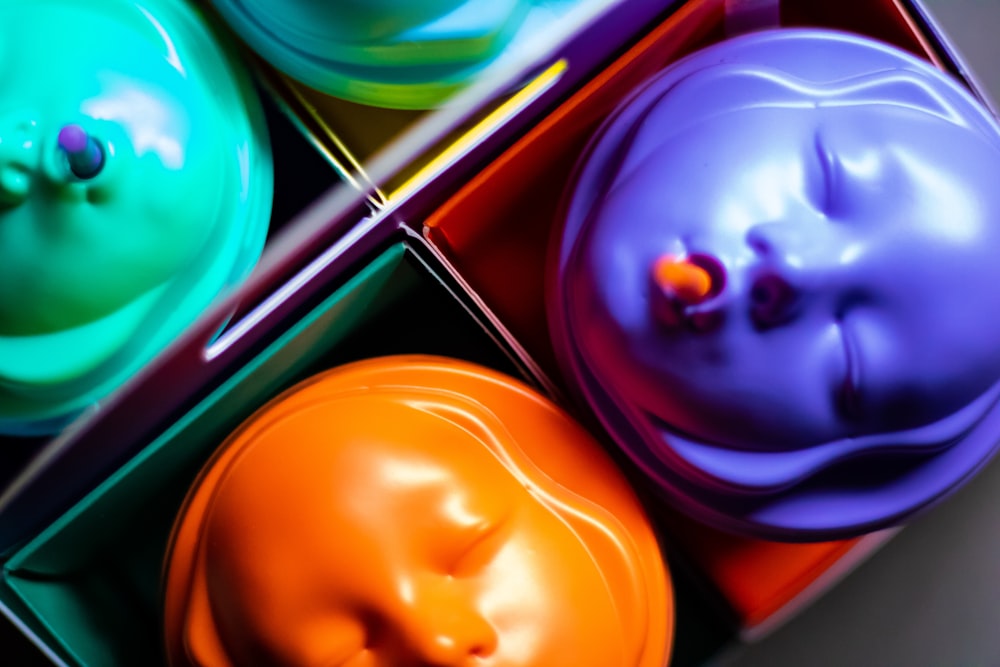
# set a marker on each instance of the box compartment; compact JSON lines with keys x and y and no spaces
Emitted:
{"x":504,"y":216}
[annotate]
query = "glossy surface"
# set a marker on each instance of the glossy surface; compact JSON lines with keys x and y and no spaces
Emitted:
{"x":414,"y":511}
{"x":354,"y":21}
{"x":840,"y":194}
{"x":388,"y":53}
{"x":110,"y":246}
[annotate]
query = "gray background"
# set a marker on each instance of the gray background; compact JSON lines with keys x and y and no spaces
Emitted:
{"x":974,"y":27}
{"x":931,"y":596}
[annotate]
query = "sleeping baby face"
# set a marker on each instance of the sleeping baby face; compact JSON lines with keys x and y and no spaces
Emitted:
{"x":848,"y":232}
{"x":394,"y":525}
{"x":401,"y":554}
{"x":74,"y":250}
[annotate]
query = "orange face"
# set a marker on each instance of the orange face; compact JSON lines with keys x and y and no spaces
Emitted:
{"x":408,"y":524}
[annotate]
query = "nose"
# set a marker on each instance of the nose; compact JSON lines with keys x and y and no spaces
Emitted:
{"x":19,"y":152}
{"x":444,"y":630}
{"x":799,"y":265}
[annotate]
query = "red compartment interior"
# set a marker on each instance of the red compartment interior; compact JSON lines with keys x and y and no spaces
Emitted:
{"x":495,"y":231}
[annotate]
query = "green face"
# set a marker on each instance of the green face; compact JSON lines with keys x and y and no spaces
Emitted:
{"x":74,"y":251}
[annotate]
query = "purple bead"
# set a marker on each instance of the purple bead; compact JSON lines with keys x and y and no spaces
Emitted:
{"x":73,"y":139}
{"x":83,"y":153}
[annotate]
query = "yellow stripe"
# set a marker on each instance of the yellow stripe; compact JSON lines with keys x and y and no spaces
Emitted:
{"x":483,"y":129}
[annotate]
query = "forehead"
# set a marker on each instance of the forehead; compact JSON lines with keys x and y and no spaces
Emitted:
{"x":762,"y":149}
{"x":339,"y":450}
{"x":688,"y":126}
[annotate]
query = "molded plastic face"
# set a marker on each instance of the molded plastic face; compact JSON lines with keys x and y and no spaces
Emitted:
{"x":392,"y":512}
{"x":99,"y":271}
{"x":387,"y":53}
{"x":72,"y":250}
{"x":840,"y":195}
{"x":857,"y":245}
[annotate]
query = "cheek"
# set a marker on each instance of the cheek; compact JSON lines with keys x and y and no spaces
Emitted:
{"x":608,"y":287}
{"x":324,"y":637}
{"x":168,"y":175}
{"x":934,"y":359}
{"x":549,"y":603}
{"x":279,"y":596}
{"x":165,"y":216}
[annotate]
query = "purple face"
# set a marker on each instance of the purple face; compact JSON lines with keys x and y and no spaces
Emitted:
{"x":840,"y":199}
{"x":853,"y":248}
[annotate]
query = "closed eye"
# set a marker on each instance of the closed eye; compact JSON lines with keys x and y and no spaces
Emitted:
{"x":483,"y":544}
{"x":828,"y":172}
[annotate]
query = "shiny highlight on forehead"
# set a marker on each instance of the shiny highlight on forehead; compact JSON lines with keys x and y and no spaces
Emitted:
{"x":721,"y":90}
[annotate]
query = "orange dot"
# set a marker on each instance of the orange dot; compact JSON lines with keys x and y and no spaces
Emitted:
{"x":682,"y":280}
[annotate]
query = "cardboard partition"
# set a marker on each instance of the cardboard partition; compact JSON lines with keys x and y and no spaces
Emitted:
{"x":494,"y":232}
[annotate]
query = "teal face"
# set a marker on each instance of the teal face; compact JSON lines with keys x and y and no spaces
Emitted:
{"x":72,"y":250}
